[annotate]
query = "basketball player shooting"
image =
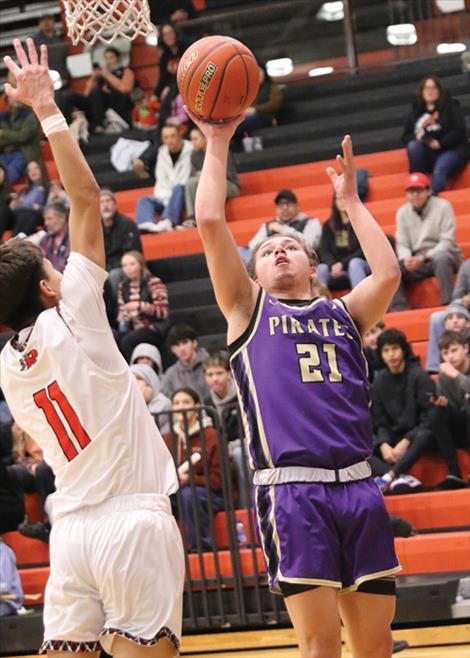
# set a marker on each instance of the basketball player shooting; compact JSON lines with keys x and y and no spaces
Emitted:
{"x":303,"y":389}
{"x":116,"y":556}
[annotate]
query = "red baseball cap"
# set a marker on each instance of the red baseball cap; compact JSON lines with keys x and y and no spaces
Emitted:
{"x":417,"y":180}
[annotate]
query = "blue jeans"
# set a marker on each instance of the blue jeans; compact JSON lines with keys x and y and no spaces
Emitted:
{"x":147,"y":206}
{"x":442,"y":164}
{"x":201,"y":504}
{"x":436,"y":328}
{"x":357,"y":270}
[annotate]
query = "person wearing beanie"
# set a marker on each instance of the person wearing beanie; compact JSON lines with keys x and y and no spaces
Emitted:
{"x":157,"y":403}
{"x":148,"y":354}
{"x":456,"y":317}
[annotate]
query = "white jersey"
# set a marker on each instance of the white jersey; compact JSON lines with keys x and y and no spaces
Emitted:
{"x":68,"y":386}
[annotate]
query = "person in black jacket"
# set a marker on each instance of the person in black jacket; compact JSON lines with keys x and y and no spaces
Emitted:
{"x":342,"y":263}
{"x":401,"y":404}
{"x":120,"y":236}
{"x":435,"y":134}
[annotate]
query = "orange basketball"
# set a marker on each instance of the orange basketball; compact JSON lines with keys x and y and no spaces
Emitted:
{"x":218,"y":78}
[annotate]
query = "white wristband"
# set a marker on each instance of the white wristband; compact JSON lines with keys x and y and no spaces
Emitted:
{"x":54,"y":124}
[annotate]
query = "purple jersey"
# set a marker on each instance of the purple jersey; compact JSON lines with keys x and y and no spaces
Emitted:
{"x":302,"y":383}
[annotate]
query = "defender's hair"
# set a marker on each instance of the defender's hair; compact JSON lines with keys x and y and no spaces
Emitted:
{"x":21,"y":270}
{"x":312,"y":256}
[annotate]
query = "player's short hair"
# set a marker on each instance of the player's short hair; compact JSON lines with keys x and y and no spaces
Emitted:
{"x":393,"y":337}
{"x":188,"y":391}
{"x":312,"y":256}
{"x":180,"y":332}
{"x":449,"y":338}
{"x":218,"y":360}
{"x":21,"y":270}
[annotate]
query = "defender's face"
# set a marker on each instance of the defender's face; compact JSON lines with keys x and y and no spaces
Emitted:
{"x":281,"y":263}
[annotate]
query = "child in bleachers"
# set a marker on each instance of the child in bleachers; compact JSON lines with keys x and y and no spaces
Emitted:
{"x":400,"y":410}
{"x":450,"y":416}
{"x":149,"y":383}
{"x":149,"y":355}
{"x":145,"y":110}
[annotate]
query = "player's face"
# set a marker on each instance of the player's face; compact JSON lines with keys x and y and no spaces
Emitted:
{"x":107,"y":206}
{"x":185,"y":350}
{"x":456,"y":355}
{"x":54,"y":222}
{"x":393,"y":357}
{"x":287,"y":210}
{"x":456,"y":322}
{"x":218,"y":380}
{"x":131,"y":267}
{"x":283,"y":266}
{"x":418,"y":196}
{"x":182,"y":401}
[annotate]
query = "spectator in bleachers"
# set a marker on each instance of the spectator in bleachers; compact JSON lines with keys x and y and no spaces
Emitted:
{"x":171,"y":45}
{"x":425,"y":239}
{"x":145,"y":110}
{"x":172,"y":171}
{"x":57,"y":48}
{"x":149,"y":383}
{"x":289,"y":220}
{"x":6,"y":214}
{"x":342,"y":263}
{"x":369,"y":341}
{"x":223,"y":397}
{"x":142,"y":305}
{"x":120,"y":236}
{"x":435,"y":134}
{"x":460,"y":296}
{"x":56,"y":192}
{"x":33,"y":476}
{"x":188,"y":428}
{"x":55,"y":244}
{"x":174,"y":11}
{"x":11,"y":501}
{"x":11,"y":589}
{"x":450,"y":416}
{"x":456,"y":318}
{"x":108,"y":90}
{"x":19,"y":139}
{"x":264,"y":110}
{"x":199,"y":143}
{"x":149,"y":355}
{"x":401,"y":414}
{"x":27,"y":206}
{"x":188,"y":370}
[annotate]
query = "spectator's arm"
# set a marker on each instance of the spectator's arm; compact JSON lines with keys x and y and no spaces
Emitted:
{"x":124,"y":84}
{"x":423,"y":386}
{"x":446,"y":232}
{"x":403,"y":243}
{"x":158,"y":307}
{"x":453,"y":132}
{"x":380,"y":419}
{"x":273,"y":104}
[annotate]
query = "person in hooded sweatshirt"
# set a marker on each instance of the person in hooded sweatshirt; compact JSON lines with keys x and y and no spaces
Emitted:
{"x":148,"y":354}
{"x":157,"y":403}
{"x":401,"y":406}
{"x":223,"y":398}
{"x":187,"y":371}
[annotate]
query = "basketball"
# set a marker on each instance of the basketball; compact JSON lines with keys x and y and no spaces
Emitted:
{"x":218,"y":78}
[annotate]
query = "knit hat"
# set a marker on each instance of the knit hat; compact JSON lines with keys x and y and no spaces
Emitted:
{"x":457,"y":308}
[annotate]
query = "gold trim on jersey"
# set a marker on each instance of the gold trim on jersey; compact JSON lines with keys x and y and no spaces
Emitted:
{"x":259,"y":420}
{"x":255,"y":325}
{"x":371,"y":576}
{"x":313,"y":303}
{"x":312,"y":581}
{"x":361,"y":342}
{"x":246,"y":427}
{"x":272,"y":519}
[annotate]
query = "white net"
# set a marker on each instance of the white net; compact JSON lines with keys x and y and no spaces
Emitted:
{"x":91,"y":20}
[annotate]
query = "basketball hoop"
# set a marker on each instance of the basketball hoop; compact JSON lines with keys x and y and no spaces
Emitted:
{"x":91,"y":20}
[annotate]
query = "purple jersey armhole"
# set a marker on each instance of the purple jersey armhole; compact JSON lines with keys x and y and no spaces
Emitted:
{"x":238,"y":342}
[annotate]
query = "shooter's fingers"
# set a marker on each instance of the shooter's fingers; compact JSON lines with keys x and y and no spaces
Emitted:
{"x":44,"y":56}
{"x":340,"y":160}
{"x":20,"y":53}
{"x":11,"y":65}
{"x":32,"y":52}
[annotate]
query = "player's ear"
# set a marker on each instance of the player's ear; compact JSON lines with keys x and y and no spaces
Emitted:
{"x":46,"y":290}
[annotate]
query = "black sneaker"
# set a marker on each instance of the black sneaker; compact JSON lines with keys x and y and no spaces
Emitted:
{"x":399,"y":645}
{"x":451,"y":482}
{"x":35,"y":530}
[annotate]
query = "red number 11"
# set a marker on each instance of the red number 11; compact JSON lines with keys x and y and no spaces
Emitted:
{"x":45,"y":399}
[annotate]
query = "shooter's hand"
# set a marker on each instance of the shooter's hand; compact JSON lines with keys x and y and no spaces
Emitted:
{"x":33,"y":82}
{"x":344,"y":183}
{"x":221,"y":130}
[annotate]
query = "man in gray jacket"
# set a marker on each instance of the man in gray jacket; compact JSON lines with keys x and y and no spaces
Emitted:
{"x":425,"y":238}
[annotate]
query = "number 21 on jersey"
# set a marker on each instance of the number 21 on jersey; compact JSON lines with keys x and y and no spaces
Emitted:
{"x":51,"y":400}
{"x":310,"y":363}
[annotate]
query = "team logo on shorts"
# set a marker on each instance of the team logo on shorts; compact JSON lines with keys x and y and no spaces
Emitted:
{"x":28,"y":360}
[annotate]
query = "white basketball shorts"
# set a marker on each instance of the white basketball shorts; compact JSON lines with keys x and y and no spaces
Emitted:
{"x":116,"y":569}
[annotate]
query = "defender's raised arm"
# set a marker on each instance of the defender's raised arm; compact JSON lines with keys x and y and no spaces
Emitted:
{"x":34,"y":88}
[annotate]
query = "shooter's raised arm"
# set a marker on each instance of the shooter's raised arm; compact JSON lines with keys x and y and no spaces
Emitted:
{"x":34,"y":88}
{"x":370,"y":299}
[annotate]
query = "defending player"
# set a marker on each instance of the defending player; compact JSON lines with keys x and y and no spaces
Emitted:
{"x":302,"y":384}
{"x":115,"y":551}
